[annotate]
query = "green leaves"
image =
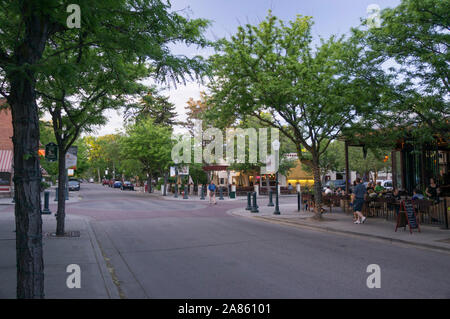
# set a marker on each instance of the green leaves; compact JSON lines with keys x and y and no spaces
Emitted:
{"x":148,"y":143}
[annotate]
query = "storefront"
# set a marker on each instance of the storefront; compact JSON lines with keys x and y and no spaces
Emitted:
{"x":6,"y":158}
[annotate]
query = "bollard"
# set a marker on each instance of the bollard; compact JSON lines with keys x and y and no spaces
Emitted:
{"x":277,"y":206}
{"x":249,"y":201}
{"x":445,"y":213}
{"x":176,"y":191}
{"x":270,"y":199}
{"x":185,"y":192}
{"x":46,"y":210}
{"x":56,"y":195}
{"x":203,"y":193}
{"x":299,"y":201}
{"x":67,"y":193}
{"x":220,"y":193}
{"x":255,"y":206}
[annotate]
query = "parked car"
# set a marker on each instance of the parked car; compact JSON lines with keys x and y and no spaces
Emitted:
{"x":74,"y":185}
{"x":335,"y":184}
{"x":117,"y":184}
{"x":387,"y":184}
{"x":91,"y":180}
{"x":127,"y":185}
{"x":105,"y":182}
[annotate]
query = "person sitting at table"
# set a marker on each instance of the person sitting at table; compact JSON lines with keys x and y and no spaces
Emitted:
{"x":417,"y":194}
{"x":371,"y":193}
{"x":396,"y":194}
{"x":379,"y":188}
{"x":432,"y":191}
{"x":328,"y":191}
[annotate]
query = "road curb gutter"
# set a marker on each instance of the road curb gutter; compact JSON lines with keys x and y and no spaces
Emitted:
{"x":346,"y":232}
{"x":99,"y":256}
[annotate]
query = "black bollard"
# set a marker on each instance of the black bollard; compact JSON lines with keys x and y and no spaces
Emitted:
{"x":220,"y":193}
{"x":277,"y":206}
{"x":46,"y":210}
{"x":255,"y":205}
{"x":185,"y":192}
{"x":445,"y":214}
{"x":203,"y":193}
{"x":299,"y":201}
{"x":249,"y":201}
{"x":270,"y":199}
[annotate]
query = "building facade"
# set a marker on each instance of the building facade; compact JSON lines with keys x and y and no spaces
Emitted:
{"x":6,"y":150}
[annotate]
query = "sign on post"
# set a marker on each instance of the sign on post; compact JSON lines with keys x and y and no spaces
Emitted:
{"x":51,"y":152}
{"x":183,"y":170}
{"x":71,"y":157}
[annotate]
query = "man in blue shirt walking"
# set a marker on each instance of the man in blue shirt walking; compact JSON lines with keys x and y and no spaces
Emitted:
{"x":212,"y":193}
{"x":358,"y":201}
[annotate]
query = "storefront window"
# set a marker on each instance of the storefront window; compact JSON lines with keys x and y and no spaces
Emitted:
{"x":5,"y":179}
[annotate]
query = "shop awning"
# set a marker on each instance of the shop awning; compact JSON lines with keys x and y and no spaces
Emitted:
{"x":6,"y":157}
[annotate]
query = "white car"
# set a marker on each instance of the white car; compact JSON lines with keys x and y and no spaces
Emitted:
{"x":91,"y":180}
{"x":387,"y":184}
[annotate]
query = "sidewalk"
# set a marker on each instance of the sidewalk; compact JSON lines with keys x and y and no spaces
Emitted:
{"x":59,"y":252}
{"x":375,"y":228}
{"x":73,"y":198}
{"x":195,"y":198}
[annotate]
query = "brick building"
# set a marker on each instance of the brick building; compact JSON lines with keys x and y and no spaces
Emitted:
{"x":6,"y":149}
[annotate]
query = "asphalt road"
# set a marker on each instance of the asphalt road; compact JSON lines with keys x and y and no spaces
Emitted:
{"x":181,"y":249}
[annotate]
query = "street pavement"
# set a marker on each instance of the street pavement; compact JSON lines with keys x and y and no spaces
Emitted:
{"x":158,"y":248}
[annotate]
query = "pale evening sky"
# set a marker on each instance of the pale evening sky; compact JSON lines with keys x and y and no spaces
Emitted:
{"x":330,"y":17}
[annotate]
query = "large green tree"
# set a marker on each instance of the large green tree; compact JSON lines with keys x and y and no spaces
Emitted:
{"x":138,"y":30}
{"x":151,"y":145}
{"x":414,"y":38}
{"x":313,"y":93}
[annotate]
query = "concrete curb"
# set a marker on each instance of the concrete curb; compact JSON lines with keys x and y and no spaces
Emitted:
{"x":109,"y":283}
{"x":346,"y":232}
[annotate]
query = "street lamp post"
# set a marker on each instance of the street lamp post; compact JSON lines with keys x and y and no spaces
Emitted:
{"x":276,"y":147}
{"x":176,"y":182}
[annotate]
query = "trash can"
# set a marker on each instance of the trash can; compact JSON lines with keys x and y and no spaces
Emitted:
{"x":233,"y":191}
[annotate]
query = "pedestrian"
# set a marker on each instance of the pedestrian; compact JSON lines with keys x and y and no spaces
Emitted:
{"x":290,"y":188}
{"x":417,"y":194}
{"x":358,"y":201}
{"x":212,"y":193}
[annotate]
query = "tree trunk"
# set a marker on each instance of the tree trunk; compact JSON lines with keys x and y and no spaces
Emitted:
{"x":27,"y":174}
{"x":27,"y":178}
{"x":62,"y":175}
{"x":317,"y":189}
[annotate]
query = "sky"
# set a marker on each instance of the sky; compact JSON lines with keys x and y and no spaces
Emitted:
{"x":331,"y":17}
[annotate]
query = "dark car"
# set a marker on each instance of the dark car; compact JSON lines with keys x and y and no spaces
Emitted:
{"x":74,"y":185}
{"x":128,"y":185}
{"x":117,"y":184}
